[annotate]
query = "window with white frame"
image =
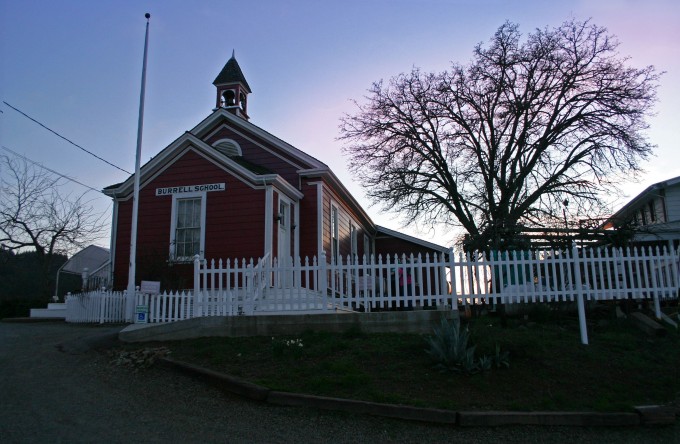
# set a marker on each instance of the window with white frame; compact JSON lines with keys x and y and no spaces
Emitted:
{"x":652,"y":211}
{"x":187,"y":233}
{"x":283,"y":216}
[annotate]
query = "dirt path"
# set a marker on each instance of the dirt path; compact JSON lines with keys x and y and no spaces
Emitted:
{"x":55,"y":386}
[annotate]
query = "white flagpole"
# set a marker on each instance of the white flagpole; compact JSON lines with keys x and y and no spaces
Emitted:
{"x":131,"y":299}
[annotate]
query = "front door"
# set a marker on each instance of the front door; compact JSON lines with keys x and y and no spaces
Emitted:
{"x":283,"y":250}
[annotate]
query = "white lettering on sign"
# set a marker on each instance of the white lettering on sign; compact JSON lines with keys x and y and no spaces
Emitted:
{"x":190,"y":189}
{"x":150,"y":287}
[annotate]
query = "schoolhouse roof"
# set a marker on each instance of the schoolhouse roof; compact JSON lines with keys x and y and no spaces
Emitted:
{"x":231,"y":73}
{"x":244,"y":170}
{"x":221,"y":115}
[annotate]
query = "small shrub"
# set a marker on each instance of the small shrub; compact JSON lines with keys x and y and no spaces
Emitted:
{"x":448,"y":348}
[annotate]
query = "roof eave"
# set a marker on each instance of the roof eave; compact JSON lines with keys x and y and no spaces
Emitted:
{"x":189,"y":140}
{"x":635,"y":202}
{"x":327,"y":174}
{"x":412,"y":239}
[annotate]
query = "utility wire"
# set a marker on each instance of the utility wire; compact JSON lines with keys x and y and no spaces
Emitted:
{"x":50,"y":170}
{"x":69,"y":141}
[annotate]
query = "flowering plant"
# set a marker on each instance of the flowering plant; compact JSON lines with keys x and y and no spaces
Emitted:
{"x":282,"y":347}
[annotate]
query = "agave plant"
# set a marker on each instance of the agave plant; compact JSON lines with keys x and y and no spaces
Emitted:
{"x":448,"y":348}
{"x":501,"y":358}
{"x":485,"y":363}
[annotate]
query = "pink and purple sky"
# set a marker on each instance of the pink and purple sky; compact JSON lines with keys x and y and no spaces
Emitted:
{"x":76,"y":66}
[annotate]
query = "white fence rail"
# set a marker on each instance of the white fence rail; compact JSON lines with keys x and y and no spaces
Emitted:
{"x":273,"y":286}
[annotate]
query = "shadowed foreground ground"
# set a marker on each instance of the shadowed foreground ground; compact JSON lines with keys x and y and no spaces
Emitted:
{"x":56,"y":388}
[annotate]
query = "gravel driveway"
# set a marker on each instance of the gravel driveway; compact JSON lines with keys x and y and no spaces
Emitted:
{"x":57,"y":385}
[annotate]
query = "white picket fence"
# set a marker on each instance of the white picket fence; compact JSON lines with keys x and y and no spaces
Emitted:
{"x":271,"y":286}
{"x":313,"y":285}
{"x":402,"y":282}
{"x":167,"y":307}
{"x":103,"y":306}
{"x":96,"y":306}
{"x":549,"y":276}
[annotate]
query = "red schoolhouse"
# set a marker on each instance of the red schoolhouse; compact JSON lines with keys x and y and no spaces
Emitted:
{"x":229,"y":189}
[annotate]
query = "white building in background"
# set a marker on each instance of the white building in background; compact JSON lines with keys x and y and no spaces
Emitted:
{"x":92,"y":263}
{"x":655,"y":213}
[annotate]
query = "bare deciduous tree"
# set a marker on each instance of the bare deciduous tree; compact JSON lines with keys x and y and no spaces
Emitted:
{"x":36,"y":215}
{"x":505,"y":140}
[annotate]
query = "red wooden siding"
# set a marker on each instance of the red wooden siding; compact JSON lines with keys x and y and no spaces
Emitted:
{"x":307,"y":225}
{"x":234,"y":223}
{"x":391,"y":246}
{"x":387,"y":245}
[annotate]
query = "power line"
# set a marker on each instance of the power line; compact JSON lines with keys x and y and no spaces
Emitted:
{"x":50,"y":170}
{"x":69,"y":141}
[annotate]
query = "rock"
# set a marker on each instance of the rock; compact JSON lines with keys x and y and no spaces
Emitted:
{"x":648,"y":325}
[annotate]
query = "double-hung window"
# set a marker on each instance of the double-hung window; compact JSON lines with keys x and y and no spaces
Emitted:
{"x":187,"y":234}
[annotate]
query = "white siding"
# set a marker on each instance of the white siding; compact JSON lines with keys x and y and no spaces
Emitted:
{"x":673,"y":203}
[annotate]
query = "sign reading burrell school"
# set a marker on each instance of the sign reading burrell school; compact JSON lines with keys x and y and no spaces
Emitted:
{"x":190,"y":189}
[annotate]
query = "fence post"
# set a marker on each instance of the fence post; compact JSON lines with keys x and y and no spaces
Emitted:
{"x":198,"y":309}
{"x":452,"y":272}
{"x":655,"y":276}
{"x":579,"y":295}
{"x":674,"y":268}
{"x":323,"y":279}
